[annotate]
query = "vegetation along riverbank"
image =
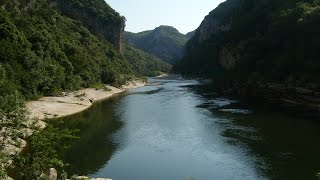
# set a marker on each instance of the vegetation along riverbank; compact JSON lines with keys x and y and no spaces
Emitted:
{"x":58,"y":57}
{"x":14,"y":140}
{"x":48,"y":47}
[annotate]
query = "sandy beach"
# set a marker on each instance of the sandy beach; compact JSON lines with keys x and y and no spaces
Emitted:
{"x":74,"y":102}
{"x":54,"y":107}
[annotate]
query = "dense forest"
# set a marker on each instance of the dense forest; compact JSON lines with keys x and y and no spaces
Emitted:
{"x":257,"y":41}
{"x":97,"y":16}
{"x":164,"y":42}
{"x":43,"y":52}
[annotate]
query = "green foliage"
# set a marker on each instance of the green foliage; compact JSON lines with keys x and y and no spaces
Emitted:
{"x":97,"y":86}
{"x":98,"y":8}
{"x":12,"y":111}
{"x":43,"y":53}
{"x":164,"y":42}
{"x":12,"y":118}
{"x":273,"y":40}
{"x":145,"y":64}
{"x":4,"y":157}
{"x":44,"y":151}
{"x":97,"y":16}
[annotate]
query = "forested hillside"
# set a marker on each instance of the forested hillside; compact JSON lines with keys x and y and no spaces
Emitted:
{"x":257,"y":41}
{"x":96,"y":15}
{"x":144,"y":63}
{"x":43,"y":52}
{"x":164,"y":42}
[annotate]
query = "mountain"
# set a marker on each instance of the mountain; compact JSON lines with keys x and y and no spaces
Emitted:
{"x":164,"y":42}
{"x":270,"y":45}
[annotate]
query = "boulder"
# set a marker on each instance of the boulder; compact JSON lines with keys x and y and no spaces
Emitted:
{"x":53,"y":174}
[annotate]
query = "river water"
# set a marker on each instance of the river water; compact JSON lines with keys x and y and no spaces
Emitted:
{"x":176,"y":129}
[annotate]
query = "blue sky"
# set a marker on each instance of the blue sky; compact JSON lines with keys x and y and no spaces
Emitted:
{"x":185,"y":15}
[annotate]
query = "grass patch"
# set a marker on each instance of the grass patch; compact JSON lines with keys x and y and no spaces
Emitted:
{"x":97,"y":86}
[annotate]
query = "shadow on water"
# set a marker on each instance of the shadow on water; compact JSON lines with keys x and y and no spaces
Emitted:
{"x":95,"y":146}
{"x":96,"y":125}
{"x":286,"y":147}
{"x":153,"y":132}
{"x":151,"y":90}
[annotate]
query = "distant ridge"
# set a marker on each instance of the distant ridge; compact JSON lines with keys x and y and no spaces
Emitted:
{"x":164,"y":42}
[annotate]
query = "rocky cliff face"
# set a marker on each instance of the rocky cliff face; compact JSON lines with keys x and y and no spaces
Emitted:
{"x":247,"y":43}
{"x":17,"y":6}
{"x":218,"y":20}
{"x":97,"y":15}
{"x":269,"y":40}
{"x":229,"y":55}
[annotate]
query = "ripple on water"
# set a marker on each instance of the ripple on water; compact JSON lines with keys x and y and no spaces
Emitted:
{"x":163,"y":136}
{"x":237,"y":111}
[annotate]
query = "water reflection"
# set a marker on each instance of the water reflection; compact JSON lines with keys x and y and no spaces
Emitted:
{"x":95,"y":147}
{"x":174,"y":129}
{"x":285,"y":147}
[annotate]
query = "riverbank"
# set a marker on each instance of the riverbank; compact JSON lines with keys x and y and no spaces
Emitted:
{"x":55,"y":107}
{"x":298,"y":100}
{"x":74,"y":102}
{"x":162,"y":75}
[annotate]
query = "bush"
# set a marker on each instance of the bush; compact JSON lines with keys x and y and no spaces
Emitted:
{"x":44,"y":152}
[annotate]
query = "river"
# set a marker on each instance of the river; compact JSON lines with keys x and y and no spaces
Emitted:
{"x":176,"y":129}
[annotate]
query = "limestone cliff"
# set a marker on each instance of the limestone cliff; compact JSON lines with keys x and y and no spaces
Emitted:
{"x":218,"y":20}
{"x":97,"y":15}
{"x":262,"y":40}
{"x":245,"y":43}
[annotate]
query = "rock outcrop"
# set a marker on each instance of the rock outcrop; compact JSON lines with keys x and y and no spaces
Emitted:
{"x":218,"y":20}
{"x":97,"y":16}
{"x":243,"y":42}
{"x":229,"y":55}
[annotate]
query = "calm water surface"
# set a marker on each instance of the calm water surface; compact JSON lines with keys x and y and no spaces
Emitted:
{"x":176,"y":129}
